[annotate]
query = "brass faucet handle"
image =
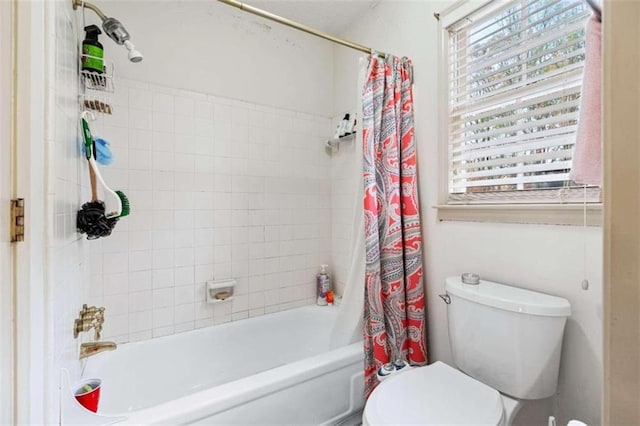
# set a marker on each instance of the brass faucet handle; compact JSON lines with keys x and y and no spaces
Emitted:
{"x":89,"y":317}
{"x":99,"y":316}
{"x":89,"y":311}
{"x":98,"y":321}
{"x":98,"y":330}
{"x":83,"y":311}
{"x":80,"y":325}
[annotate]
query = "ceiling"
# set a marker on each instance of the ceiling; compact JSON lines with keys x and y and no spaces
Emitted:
{"x":330,"y":16}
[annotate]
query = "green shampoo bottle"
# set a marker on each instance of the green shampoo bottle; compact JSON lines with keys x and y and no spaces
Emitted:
{"x":92,"y":50}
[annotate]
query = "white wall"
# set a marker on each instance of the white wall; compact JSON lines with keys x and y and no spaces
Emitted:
{"x":205,"y":48}
{"x":219,"y":188}
{"x":209,"y":47}
{"x":544,"y":258}
{"x":344,"y":185}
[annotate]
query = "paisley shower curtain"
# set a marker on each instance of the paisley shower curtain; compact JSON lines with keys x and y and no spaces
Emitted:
{"x":394,"y":311}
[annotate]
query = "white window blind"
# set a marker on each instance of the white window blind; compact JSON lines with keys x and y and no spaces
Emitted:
{"x":514,"y":75}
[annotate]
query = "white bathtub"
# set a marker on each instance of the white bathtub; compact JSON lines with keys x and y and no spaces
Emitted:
{"x":273,"y":369}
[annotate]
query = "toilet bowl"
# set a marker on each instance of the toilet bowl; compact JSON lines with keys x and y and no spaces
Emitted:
{"x":435,"y":395}
{"x":504,"y":341}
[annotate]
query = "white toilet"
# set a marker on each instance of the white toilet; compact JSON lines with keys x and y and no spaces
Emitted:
{"x":506,"y":345}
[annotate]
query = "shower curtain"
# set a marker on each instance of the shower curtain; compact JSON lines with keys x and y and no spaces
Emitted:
{"x":394,"y":309}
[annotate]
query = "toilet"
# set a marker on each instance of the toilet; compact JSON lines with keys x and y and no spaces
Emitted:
{"x":506,"y":345}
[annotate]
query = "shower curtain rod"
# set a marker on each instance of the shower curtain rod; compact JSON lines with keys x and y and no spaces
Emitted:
{"x":301,"y":27}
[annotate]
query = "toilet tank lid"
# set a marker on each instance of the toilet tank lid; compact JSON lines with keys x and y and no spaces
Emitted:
{"x":509,"y":298}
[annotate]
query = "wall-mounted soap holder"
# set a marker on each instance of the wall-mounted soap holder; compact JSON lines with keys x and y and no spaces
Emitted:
{"x":219,"y":291}
{"x":333,"y":145}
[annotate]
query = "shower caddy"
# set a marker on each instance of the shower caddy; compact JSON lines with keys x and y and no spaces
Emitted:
{"x":95,"y":103}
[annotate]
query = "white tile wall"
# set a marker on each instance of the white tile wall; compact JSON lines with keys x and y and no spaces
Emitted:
{"x":219,"y":189}
{"x":344,"y":181}
{"x":66,"y":181}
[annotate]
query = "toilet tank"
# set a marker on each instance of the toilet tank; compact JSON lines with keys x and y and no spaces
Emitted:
{"x":506,"y":337}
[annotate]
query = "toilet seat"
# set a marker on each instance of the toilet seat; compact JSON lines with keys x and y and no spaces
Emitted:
{"x":433,"y":395}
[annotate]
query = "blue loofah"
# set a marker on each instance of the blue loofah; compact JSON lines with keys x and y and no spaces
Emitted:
{"x":103,"y":153}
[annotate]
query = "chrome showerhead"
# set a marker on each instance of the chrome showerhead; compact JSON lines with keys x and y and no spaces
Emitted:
{"x":114,"y":29}
{"x":118,"y":33}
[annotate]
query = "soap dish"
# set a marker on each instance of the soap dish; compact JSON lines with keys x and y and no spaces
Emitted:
{"x":219,"y":291}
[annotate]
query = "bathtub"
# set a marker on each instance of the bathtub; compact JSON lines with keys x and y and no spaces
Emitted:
{"x":272,"y":369}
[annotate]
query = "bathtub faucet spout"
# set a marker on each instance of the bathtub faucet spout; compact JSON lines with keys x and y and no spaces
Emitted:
{"x":93,"y":348}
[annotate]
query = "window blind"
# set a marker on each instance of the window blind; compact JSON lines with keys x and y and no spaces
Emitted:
{"x":515,"y":75}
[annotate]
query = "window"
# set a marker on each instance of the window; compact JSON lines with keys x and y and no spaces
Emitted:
{"x":514,"y":75}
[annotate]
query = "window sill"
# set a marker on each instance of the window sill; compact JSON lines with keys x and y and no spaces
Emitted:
{"x":548,"y":214}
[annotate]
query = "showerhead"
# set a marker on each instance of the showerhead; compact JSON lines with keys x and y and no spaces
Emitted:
{"x":134,"y":55}
{"x":114,"y":29}
{"x":118,"y":33}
